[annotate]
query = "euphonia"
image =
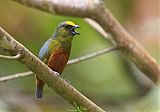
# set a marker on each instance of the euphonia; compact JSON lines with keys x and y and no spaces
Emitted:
{"x":56,"y":51}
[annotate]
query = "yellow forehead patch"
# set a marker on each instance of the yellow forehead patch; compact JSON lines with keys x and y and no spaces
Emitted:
{"x":70,"y":23}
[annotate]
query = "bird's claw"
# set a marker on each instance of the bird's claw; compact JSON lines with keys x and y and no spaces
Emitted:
{"x":67,"y":81}
{"x":57,"y":73}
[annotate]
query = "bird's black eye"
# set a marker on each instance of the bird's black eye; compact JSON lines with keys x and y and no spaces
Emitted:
{"x":64,"y":25}
{"x":68,"y":26}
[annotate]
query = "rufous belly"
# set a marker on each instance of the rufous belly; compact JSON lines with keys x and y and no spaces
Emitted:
{"x":58,"y":60}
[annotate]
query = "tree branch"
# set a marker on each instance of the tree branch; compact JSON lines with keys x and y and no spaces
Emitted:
{"x":44,"y":72}
{"x":130,"y":47}
{"x":97,"y":27}
{"x":10,"y":57}
{"x":96,"y":10}
{"x":73,"y":61}
{"x":92,"y":55}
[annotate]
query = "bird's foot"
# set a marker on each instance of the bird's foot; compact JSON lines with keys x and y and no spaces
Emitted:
{"x":57,"y":73}
{"x":67,"y":81}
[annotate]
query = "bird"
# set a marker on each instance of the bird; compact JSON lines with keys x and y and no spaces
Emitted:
{"x":56,"y":50}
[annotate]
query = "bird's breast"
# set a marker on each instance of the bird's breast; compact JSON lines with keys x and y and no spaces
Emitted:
{"x":58,"y":60}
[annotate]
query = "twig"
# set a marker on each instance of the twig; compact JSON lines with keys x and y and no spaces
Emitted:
{"x":15,"y":76}
{"x":10,"y":57}
{"x":92,"y":55}
{"x":96,"y":27}
{"x":72,"y":61}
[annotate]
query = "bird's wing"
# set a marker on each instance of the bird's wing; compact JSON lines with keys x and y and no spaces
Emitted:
{"x":45,"y":52}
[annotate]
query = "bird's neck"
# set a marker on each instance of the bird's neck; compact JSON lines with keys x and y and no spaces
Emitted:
{"x":65,"y":42}
{"x":61,"y":43}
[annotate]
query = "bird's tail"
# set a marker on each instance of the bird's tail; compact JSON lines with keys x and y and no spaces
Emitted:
{"x":39,"y":88}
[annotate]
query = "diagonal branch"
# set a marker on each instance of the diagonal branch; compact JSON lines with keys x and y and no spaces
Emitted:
{"x":99,"y":29}
{"x":44,"y":72}
{"x":96,"y":10}
{"x":73,"y":61}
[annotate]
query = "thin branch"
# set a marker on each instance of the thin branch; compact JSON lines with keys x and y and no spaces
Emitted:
{"x":72,"y":61}
{"x":92,"y":55}
{"x":10,"y":57}
{"x":97,"y":27}
{"x":15,"y":76}
{"x":96,"y":10}
{"x":44,"y":72}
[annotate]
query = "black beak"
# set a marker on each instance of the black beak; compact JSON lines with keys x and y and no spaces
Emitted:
{"x":73,"y":30}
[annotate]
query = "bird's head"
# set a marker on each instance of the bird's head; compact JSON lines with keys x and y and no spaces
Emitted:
{"x":67,"y":28}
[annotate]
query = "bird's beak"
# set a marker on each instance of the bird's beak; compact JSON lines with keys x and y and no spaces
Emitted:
{"x":76,"y":26}
{"x":73,"y":30}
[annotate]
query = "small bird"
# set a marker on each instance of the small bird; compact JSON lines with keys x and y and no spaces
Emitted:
{"x":56,"y":51}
